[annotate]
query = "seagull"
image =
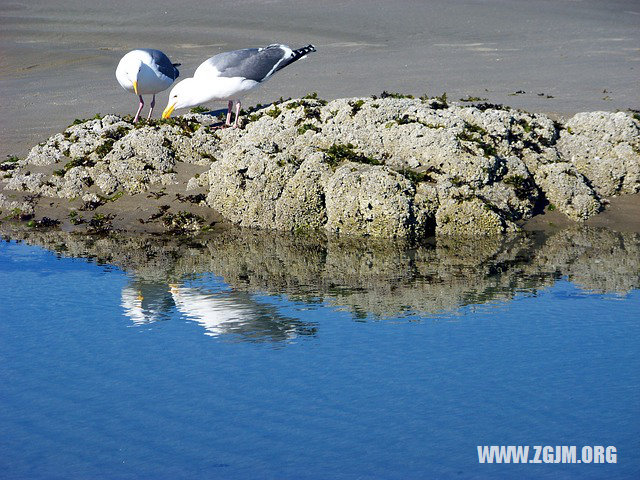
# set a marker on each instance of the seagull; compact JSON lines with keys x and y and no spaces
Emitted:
{"x":146,"y":71}
{"x":230,"y":75}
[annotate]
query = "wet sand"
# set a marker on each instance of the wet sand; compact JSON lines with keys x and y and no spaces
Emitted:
{"x":58,"y":58}
{"x":621,"y":214}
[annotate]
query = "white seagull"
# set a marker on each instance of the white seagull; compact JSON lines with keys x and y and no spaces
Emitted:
{"x":230,"y":75}
{"x":146,"y":71}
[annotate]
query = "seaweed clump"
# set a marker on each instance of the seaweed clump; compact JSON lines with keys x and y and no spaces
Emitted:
{"x":337,"y":153}
{"x":11,"y":163}
{"x":477,"y":134}
{"x":184,"y":222}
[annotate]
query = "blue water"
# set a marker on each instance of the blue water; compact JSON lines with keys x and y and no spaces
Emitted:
{"x":96,"y":383}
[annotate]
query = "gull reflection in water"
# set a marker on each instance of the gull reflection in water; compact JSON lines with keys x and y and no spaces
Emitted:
{"x":146,"y":302}
{"x":219,"y":312}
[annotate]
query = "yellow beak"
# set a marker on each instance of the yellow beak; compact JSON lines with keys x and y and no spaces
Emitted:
{"x":168,"y":111}
{"x":135,"y":87}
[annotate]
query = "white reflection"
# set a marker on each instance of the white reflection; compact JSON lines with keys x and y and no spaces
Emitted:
{"x":217,"y":312}
{"x":132,"y":304}
{"x":146,"y":302}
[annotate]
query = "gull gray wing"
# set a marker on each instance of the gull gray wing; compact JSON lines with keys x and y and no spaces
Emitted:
{"x":164,"y":64}
{"x":256,"y":64}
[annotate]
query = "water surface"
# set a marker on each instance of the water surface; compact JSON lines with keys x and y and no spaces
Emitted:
{"x":266,"y":356}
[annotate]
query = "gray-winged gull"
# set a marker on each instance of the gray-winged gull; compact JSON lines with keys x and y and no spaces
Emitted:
{"x":230,"y":75}
{"x":146,"y":71}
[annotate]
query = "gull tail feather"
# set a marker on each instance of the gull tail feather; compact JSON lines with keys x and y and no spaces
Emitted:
{"x":176,"y":72}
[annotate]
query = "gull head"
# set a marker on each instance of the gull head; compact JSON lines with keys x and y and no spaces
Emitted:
{"x":128,"y":72}
{"x":185,"y":94}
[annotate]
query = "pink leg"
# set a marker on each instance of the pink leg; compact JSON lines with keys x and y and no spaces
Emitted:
{"x":229,"y":110}
{"x":153,"y":104}
{"x":238,"y":103}
{"x":135,"y":119}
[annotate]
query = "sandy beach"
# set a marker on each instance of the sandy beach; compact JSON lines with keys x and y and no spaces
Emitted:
{"x":59,"y":58}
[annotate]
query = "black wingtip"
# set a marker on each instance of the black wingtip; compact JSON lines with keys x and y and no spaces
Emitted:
{"x":297,"y":55}
{"x":300,"y":52}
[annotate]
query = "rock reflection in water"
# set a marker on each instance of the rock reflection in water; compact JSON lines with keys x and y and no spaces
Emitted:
{"x":366,"y":277}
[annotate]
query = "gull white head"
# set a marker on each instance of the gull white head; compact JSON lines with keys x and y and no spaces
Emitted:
{"x":128,"y":71}
{"x":185,"y":94}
